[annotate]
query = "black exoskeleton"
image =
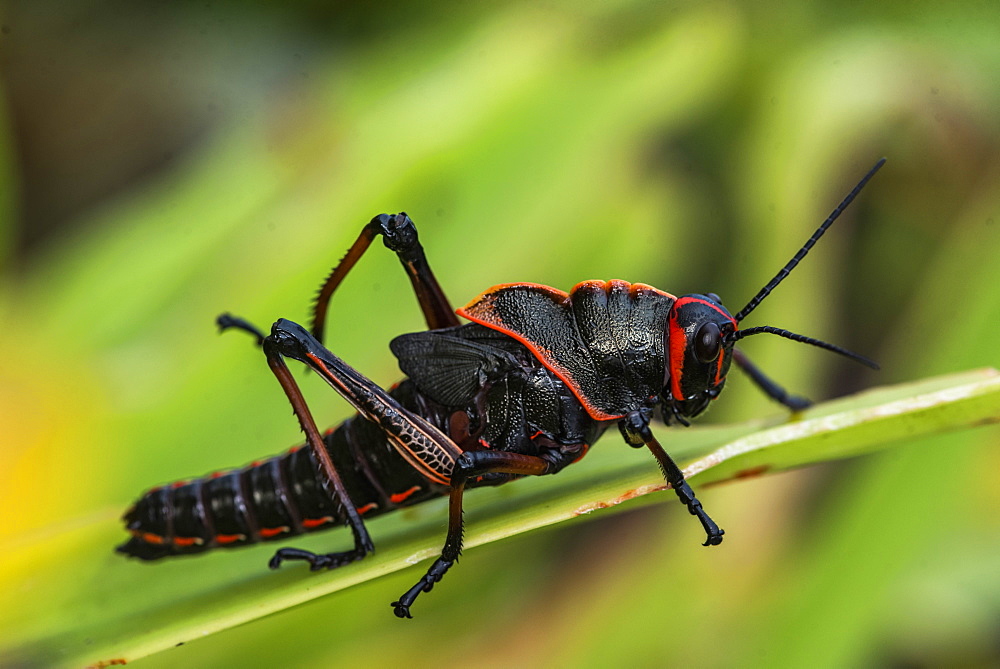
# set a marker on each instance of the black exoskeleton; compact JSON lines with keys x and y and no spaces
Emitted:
{"x":523,"y":389}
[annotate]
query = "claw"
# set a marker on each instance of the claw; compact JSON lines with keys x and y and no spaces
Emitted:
{"x":316,"y":561}
{"x":714,"y":538}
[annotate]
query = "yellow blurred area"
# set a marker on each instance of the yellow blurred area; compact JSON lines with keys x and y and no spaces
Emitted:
{"x":51,"y":411}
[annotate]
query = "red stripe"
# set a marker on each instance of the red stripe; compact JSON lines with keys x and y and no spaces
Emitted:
{"x":718,"y":368}
{"x":403,"y":496}
{"x":546,"y":359}
{"x":229,"y":538}
{"x":310,"y":523}
{"x":678,"y":344}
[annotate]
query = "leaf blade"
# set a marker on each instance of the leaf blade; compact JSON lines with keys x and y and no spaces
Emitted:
{"x":129,"y":612}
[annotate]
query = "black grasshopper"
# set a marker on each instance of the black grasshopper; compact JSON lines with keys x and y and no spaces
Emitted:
{"x":523,"y":389}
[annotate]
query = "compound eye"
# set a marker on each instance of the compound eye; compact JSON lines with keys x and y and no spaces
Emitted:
{"x":707,"y":343}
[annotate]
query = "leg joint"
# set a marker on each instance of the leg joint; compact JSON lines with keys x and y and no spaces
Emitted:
{"x":635,"y":429}
{"x":399,"y":234}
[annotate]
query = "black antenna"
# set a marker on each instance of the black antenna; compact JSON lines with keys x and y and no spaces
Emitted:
{"x":780,"y":276}
{"x":767,"y":329}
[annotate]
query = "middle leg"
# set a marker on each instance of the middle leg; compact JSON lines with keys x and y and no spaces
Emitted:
{"x":470,"y":465}
{"x":421,"y":444}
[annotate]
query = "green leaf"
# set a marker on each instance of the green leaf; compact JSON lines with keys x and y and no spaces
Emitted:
{"x":71,"y":602}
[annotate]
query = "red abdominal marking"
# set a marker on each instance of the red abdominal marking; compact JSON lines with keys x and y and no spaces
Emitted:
{"x":229,"y":538}
{"x":403,"y":496}
{"x":310,"y":523}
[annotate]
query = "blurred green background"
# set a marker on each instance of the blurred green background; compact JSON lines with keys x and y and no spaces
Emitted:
{"x":164,"y":162}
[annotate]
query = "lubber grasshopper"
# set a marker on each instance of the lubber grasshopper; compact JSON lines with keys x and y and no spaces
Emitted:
{"x":524,"y":389}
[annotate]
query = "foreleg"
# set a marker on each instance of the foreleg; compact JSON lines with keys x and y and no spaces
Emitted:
{"x":635,"y":428}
